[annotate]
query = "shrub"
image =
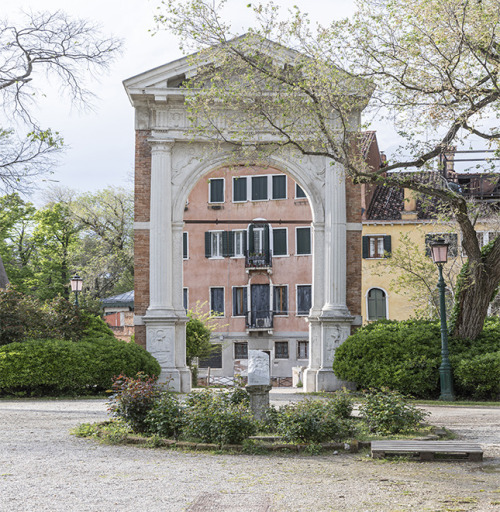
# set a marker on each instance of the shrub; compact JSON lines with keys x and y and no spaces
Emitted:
{"x":313,"y":421}
{"x":479,"y":377}
{"x":213,"y":417}
{"x":388,"y":412}
{"x":342,"y":403}
{"x":60,"y":367}
{"x":166,"y":417}
{"x":133,"y":399}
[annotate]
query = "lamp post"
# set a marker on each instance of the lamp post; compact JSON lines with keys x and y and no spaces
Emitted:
{"x":76,"y":286}
{"x":439,"y":251}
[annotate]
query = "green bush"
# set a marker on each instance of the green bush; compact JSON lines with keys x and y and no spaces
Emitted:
{"x":133,"y":399}
{"x":479,"y":377}
{"x":166,"y":418}
{"x":405,"y":356}
{"x":313,"y":421}
{"x":342,"y":403}
{"x":388,"y":412}
{"x":60,"y":367}
{"x":212,"y":417}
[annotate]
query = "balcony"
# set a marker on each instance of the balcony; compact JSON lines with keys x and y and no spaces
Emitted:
{"x":256,"y":260}
{"x":259,"y":320}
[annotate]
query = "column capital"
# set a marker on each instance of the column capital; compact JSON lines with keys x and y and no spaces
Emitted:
{"x":161,"y":145}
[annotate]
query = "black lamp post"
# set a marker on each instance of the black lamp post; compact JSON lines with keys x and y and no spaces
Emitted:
{"x":439,"y":251}
{"x":76,"y":286}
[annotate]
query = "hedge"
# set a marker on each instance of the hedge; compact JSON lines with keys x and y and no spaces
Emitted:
{"x":61,"y":367}
{"x":405,"y":356}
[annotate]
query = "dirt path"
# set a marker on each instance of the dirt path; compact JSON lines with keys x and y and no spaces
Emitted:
{"x":43,"y":468}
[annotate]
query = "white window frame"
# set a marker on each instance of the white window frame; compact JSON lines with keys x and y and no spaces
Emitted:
{"x":272,"y":188}
{"x":247,"y":287}
{"x":186,"y":234}
{"x":223,"y":300}
{"x":287,"y":298}
{"x":298,"y":352}
{"x":220,"y":245}
{"x":248,"y":187}
{"x":243,"y":234}
{"x":378,"y":239}
{"x":297,"y":299}
{"x":271,"y":242}
{"x":210,"y":191}
{"x":386,"y":303}
{"x":297,"y":241}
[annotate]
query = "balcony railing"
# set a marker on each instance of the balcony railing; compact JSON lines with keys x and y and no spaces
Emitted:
{"x":259,"y":320}
{"x":258,"y":259}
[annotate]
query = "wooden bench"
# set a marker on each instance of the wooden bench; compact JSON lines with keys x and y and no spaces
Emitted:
{"x":426,"y":450}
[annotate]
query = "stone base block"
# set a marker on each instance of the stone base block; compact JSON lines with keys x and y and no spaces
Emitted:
{"x":177,"y":380}
{"x":324,"y":380}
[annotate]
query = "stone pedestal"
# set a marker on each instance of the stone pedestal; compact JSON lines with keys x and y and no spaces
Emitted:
{"x":259,"y":399}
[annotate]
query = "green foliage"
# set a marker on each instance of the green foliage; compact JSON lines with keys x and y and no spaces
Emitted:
{"x":198,"y":331}
{"x":313,"y":421}
{"x":166,"y":418}
{"x":133,"y":399}
{"x":96,"y":327}
{"x":213,"y":417}
{"x":61,"y":367}
{"x":388,"y":412}
{"x":405,"y":356}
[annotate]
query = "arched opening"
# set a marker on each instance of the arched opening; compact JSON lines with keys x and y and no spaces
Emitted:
{"x":376,"y":304}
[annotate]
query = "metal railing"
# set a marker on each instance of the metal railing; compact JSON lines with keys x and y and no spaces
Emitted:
{"x":261,"y":259}
{"x":259,"y":319}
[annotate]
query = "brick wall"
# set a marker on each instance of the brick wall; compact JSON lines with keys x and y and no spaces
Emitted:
{"x":353,"y":213}
{"x":141,"y":236}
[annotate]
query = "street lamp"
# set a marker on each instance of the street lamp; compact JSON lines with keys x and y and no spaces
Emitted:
{"x":439,"y":251}
{"x":76,"y":286}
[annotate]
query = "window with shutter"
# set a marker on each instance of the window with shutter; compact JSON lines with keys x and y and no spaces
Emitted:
{"x":279,"y":187}
{"x":185,"y":245}
{"x":259,"y":188}
{"x":185,"y":301}
{"x":239,"y":189}
{"x":216,"y":248}
{"x":377,"y":309}
{"x":240,"y":300}
{"x":302,"y":350}
{"x":217,"y":300}
{"x":303,"y":299}
{"x":376,"y":246}
{"x":280,"y":242}
{"x":239,"y":243}
{"x":450,"y":238}
{"x":303,"y":238}
{"x":216,"y":190}
{"x":280,"y":300}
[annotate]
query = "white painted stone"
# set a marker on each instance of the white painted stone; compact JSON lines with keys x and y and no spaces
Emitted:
{"x":258,"y":368}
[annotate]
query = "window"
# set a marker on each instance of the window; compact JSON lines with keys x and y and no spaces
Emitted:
{"x":185,"y":300}
{"x":376,"y":246}
{"x":214,"y":360}
{"x":303,"y":245}
{"x":279,"y":187}
{"x":451,"y":238}
{"x":377,"y":309}
{"x":485,"y":237}
{"x":302,"y":350}
{"x":299,"y":193}
{"x":217,"y":244}
{"x":281,"y":350}
{"x":216,"y":190}
{"x":241,"y":350}
{"x":259,"y":188}
{"x":280,"y":300}
{"x":279,"y":242}
{"x":239,"y":243}
{"x":185,"y":245}
{"x":217,"y":301}
{"x":239,"y":189}
{"x":240,"y":307}
{"x":258,"y":240}
{"x":303,"y":299}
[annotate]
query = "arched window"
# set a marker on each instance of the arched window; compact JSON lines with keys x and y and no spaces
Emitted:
{"x":377,"y":307}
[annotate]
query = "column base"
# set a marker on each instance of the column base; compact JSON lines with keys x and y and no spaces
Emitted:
{"x":324,"y":380}
{"x":176,"y":380}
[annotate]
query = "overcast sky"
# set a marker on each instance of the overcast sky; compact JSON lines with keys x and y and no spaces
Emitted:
{"x":101,"y":143}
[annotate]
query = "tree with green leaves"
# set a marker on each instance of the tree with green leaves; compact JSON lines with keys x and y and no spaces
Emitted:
{"x":67,"y":51}
{"x":429,"y":68}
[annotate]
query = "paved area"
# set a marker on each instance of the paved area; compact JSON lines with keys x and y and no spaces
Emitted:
{"x":44,"y":468}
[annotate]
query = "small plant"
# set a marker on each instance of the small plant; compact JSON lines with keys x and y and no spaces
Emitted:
{"x":342,"y":403}
{"x":166,"y":417}
{"x":313,"y":421}
{"x":132,"y":400}
{"x":388,"y":412}
{"x":86,"y":430}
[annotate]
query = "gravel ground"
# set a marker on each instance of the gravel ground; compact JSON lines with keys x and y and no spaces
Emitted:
{"x":44,"y":468}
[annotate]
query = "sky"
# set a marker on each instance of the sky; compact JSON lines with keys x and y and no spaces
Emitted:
{"x":100,"y":143}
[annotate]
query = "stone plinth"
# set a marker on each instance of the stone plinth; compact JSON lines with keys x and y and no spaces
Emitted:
{"x":259,"y":399}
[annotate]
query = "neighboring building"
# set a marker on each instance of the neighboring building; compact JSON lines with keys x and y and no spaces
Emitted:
{"x":119,"y":314}
{"x":393,"y":213}
{"x":317,"y":282}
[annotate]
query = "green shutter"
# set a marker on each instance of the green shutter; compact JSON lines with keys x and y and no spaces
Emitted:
{"x":303,"y":240}
{"x":279,"y":187}
{"x":184,"y":245}
{"x":265,"y":244}
{"x":207,"y":244}
{"x":240,"y":189}
{"x":230,"y":243}
{"x":279,"y":242}
{"x":387,"y":245}
{"x":366,"y":247}
{"x":225,"y":244}
{"x":250,"y":239}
